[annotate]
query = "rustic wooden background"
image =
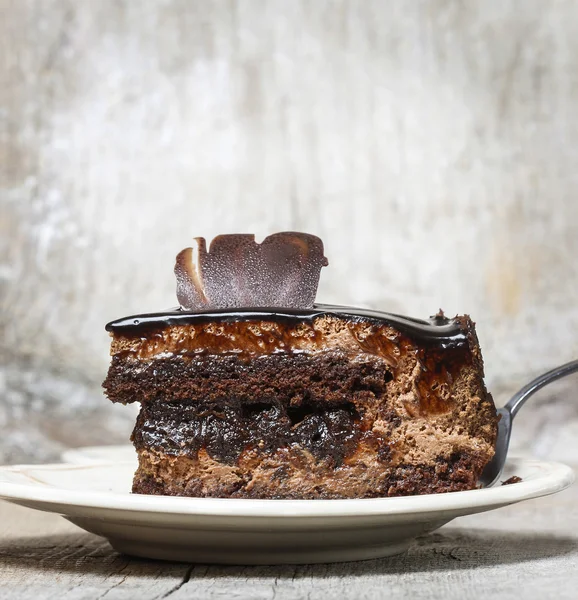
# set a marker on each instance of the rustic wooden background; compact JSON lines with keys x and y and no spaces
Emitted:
{"x":433,"y":145}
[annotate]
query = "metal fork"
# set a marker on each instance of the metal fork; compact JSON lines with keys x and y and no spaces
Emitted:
{"x":494,"y":468}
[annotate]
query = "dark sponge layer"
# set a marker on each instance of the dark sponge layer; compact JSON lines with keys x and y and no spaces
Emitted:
{"x":325,"y":377}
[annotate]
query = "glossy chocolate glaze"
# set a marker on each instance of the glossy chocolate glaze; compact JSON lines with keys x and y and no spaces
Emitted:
{"x":437,"y":331}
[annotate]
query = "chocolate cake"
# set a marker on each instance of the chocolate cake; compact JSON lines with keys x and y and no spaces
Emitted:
{"x":249,"y":390}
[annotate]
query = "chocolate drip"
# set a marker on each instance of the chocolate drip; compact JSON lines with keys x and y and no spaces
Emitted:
{"x":438,"y":331}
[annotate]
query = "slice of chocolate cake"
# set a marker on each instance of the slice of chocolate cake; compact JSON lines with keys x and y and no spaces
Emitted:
{"x":296,"y":401}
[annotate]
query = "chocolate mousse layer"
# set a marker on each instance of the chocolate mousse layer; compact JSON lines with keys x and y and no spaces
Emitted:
{"x":327,"y":402}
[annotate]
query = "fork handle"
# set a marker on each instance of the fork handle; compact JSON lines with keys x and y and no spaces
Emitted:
{"x":518,"y":399}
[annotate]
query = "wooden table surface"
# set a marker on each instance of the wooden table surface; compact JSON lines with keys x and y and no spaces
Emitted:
{"x":529,"y":550}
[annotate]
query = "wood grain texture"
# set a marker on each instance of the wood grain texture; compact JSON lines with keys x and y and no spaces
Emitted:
{"x":432,"y":145}
{"x":529,"y":550}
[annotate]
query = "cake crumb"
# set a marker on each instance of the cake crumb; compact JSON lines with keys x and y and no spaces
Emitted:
{"x":513,"y":479}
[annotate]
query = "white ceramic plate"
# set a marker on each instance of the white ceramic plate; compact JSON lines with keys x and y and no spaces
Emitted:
{"x":97,"y":498}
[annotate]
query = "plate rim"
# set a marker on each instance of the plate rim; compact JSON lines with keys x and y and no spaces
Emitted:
{"x":557,"y":477}
{"x":81,"y":454}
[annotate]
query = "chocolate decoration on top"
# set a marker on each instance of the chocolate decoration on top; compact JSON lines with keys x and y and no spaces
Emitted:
{"x":236,"y":271}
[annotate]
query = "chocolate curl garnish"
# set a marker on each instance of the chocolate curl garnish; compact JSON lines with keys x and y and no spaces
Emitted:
{"x":282,"y":271}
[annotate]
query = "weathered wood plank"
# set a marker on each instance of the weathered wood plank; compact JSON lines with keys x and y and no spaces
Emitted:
{"x":43,"y":556}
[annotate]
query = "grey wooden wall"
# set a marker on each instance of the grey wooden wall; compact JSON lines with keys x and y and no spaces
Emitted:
{"x":433,"y":145}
